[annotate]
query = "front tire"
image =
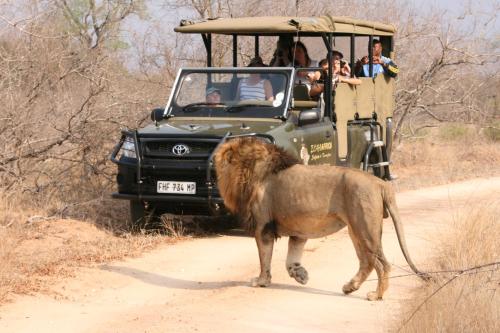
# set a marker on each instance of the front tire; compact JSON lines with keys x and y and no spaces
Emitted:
{"x":140,"y":216}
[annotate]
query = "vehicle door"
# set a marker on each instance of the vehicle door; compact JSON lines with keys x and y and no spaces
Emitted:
{"x":315,"y":141}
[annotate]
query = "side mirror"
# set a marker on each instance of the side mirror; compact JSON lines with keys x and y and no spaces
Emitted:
{"x":307,"y":117}
{"x":157,"y":114}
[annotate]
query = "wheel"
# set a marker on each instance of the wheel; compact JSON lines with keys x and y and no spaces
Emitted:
{"x":140,"y":216}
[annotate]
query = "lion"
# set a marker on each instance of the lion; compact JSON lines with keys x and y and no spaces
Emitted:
{"x":275,"y":195}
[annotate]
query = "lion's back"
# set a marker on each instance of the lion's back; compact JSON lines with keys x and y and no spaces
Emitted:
{"x":320,"y":185}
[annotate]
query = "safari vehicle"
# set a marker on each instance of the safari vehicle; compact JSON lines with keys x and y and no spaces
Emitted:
{"x":167,"y":165}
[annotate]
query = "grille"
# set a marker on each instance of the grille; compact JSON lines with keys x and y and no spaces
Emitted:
{"x":163,"y":149}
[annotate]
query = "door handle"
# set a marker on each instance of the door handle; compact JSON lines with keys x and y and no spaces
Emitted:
{"x":328,"y":134}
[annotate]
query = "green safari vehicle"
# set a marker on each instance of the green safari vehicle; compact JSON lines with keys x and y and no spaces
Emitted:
{"x":167,"y":165}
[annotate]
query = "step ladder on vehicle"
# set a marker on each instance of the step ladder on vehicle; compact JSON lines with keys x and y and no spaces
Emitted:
{"x":376,"y":155}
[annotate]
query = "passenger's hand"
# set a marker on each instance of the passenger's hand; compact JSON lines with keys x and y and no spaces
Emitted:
{"x":311,"y":77}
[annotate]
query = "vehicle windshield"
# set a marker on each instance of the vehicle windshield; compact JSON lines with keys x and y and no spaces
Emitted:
{"x":238,"y":92}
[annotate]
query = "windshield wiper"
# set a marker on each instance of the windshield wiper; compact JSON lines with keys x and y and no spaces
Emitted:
{"x":191,"y":105}
{"x":239,"y":107}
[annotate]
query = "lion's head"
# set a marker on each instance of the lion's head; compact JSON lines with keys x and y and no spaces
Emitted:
{"x":241,"y":165}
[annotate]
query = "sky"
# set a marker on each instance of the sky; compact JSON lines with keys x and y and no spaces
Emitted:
{"x":162,"y":20}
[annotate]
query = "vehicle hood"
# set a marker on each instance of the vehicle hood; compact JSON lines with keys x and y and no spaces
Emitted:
{"x":212,"y":126}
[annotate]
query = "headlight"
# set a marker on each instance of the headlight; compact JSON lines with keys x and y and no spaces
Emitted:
{"x":128,"y":148}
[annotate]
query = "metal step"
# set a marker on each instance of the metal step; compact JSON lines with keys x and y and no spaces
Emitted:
{"x":379,"y":164}
{"x":377,"y":144}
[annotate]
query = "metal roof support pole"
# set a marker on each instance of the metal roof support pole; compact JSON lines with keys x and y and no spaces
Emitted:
{"x":370,"y":54}
{"x":256,"y":45}
{"x":207,"y":40}
{"x":235,"y":50}
{"x":327,"y":39}
{"x":353,"y":47}
{"x":391,"y":51}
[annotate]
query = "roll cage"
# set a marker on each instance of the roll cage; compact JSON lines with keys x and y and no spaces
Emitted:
{"x":325,"y":27}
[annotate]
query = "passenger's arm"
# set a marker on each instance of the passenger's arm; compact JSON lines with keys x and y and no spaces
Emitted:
{"x":316,"y":89}
{"x":350,"y":80}
{"x":268,"y":89}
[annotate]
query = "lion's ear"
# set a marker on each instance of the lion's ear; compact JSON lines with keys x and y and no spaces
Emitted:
{"x":228,"y":156}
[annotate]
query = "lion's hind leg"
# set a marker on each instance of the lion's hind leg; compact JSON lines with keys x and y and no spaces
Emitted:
{"x":383,"y":268}
{"x":366,"y":263}
{"x":294,"y":256}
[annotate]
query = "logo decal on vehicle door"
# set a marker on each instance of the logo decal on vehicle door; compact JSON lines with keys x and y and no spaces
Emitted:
{"x":304,"y":154}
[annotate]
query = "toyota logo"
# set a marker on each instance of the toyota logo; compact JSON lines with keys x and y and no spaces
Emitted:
{"x":180,"y":149}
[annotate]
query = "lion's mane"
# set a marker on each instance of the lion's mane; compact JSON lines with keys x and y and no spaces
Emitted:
{"x":242,"y":164}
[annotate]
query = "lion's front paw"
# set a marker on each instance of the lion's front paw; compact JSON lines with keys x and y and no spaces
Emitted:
{"x":299,"y":273}
{"x":373,"y":296}
{"x":260,"y":282}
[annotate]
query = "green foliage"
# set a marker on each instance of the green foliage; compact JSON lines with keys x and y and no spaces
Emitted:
{"x":452,"y":132}
{"x":493,"y":132}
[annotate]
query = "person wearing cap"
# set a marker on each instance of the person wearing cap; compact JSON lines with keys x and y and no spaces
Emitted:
{"x":254,"y":87}
{"x":338,"y":76}
{"x":345,"y":69}
{"x":213,"y":95}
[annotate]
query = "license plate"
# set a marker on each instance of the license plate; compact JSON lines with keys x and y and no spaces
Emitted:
{"x":176,"y":187}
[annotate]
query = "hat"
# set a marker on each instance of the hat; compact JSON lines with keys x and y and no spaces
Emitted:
{"x":211,"y":90}
{"x":334,"y":53}
{"x":256,"y":62}
{"x":392,"y":69}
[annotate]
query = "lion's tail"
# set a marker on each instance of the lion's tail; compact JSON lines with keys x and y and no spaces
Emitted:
{"x":390,"y":205}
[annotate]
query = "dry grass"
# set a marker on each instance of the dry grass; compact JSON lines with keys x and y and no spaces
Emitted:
{"x":469,"y":302}
{"x":444,"y":155}
{"x":36,"y":251}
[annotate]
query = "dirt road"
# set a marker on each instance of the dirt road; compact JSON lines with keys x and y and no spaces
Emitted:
{"x":202,"y":285}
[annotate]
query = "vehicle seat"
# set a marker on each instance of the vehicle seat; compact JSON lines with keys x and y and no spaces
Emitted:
{"x":301,"y":98}
{"x":277,"y":83}
{"x":233,"y":85}
{"x":301,"y":92}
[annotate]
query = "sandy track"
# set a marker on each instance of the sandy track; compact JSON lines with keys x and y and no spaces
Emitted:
{"x":202,"y":285}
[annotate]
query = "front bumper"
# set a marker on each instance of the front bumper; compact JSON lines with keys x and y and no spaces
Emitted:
{"x":137,"y":177}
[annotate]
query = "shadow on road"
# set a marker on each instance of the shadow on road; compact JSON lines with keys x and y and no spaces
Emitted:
{"x":168,"y":282}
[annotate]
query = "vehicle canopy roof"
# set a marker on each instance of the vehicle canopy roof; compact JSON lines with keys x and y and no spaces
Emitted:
{"x":275,"y":25}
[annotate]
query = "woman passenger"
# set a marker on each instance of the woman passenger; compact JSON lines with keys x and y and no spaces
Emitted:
{"x":302,"y":59}
{"x":254,"y":87}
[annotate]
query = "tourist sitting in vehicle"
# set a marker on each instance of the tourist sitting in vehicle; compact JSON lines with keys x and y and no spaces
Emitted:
{"x":317,"y":80}
{"x":213,"y":95}
{"x":282,"y":56}
{"x":254,"y":87}
{"x":381,"y":64}
{"x":345,"y":69}
{"x":303,"y":60}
